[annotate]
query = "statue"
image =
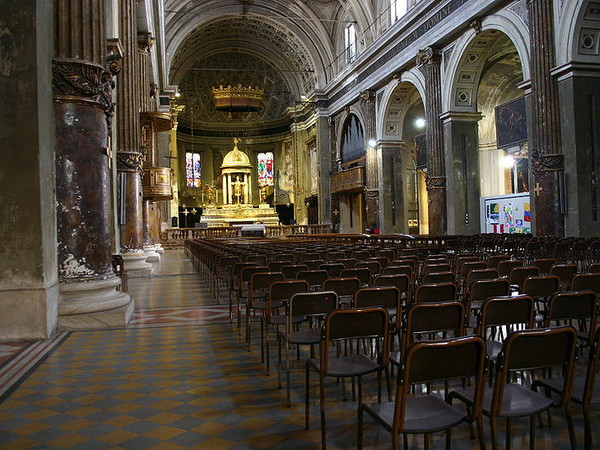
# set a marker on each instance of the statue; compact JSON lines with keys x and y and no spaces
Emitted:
{"x":210,"y":191}
{"x":263,"y":194}
{"x":238,"y":191}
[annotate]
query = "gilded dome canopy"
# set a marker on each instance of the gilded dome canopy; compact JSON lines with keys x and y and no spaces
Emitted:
{"x":236,"y":158}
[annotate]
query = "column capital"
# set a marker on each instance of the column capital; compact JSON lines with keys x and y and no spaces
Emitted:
{"x":428,"y":57}
{"x":145,"y":41}
{"x":461,"y":116}
{"x":435,"y":182}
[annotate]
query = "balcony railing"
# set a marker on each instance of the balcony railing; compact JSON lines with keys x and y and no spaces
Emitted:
{"x":349,"y":180}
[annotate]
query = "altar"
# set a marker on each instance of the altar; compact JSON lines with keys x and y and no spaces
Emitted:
{"x":237,"y":207}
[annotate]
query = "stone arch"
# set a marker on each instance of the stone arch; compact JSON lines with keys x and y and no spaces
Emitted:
{"x":399,"y":182}
{"x":467,"y":56}
{"x":412,"y":76}
{"x":578,"y":33}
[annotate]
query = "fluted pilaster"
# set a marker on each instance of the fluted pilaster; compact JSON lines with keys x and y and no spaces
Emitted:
{"x":546,"y":153}
{"x":428,"y":61}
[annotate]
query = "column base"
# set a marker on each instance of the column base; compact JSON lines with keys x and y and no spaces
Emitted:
{"x":151,"y":255}
{"x":159,"y":249}
{"x":136,"y":265}
{"x":93,"y":305}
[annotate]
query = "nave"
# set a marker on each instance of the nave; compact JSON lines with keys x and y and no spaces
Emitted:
{"x":179,"y":376}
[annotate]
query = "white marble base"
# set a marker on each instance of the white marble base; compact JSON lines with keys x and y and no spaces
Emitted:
{"x":151,"y":255}
{"x":136,"y":265}
{"x":93,"y":305}
{"x":28,"y":313}
{"x":159,"y":249}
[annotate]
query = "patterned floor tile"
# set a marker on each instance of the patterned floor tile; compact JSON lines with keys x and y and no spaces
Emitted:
{"x":180,"y":377}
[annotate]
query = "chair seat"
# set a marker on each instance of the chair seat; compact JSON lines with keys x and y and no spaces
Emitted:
{"x":262,"y":305}
{"x":424,"y":414}
{"x":305,"y":337}
{"x":347,"y":366}
{"x":556,"y":384}
{"x":517,"y":401}
{"x":280,"y":319}
{"x":493,"y":349}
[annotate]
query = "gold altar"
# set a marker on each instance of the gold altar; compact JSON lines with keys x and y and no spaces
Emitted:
{"x":237,"y":207}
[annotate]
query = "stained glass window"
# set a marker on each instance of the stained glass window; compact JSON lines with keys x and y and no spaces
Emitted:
{"x":265,"y":169}
{"x":193,"y":174}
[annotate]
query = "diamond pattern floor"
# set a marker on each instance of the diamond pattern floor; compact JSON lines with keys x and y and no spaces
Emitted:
{"x":180,"y":377}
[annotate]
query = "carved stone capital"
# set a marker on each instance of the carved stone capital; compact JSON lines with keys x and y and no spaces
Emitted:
{"x":372,"y":193}
{"x":475,"y":24}
{"x":541,"y":164}
{"x":80,"y":81}
{"x":435,"y":183}
{"x":367,"y":96}
{"x":428,"y":56}
{"x":145,"y":41}
{"x":130,"y":161}
{"x":114,"y":60}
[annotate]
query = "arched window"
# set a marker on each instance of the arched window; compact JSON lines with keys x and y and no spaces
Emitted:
{"x":353,"y":140}
{"x":350,"y":42}
{"x":265,"y":168}
{"x":397,"y":9}
{"x":193,"y":173}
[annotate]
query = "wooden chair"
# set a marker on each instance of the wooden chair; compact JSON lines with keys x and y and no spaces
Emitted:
{"x":345,"y":325}
{"x":526,"y":350}
{"x":427,"y":362}
{"x":312,"y":306}
{"x":583,"y":390}
{"x":435,"y":293}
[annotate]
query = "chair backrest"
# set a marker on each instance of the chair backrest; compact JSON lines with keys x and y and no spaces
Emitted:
{"x":573,"y":305}
{"x":312,"y":303}
{"x":373,"y":266}
{"x":354,"y":323}
{"x":565,"y":272}
{"x":348,"y":263}
{"x":261,"y":281}
{"x":258,"y":259}
{"x":382,"y":260}
{"x":479,"y":274}
{"x":544,"y":264}
{"x":433,"y":318}
{"x":482,"y":289}
{"x":314,"y":277}
{"x":541,"y":286}
{"x":282,"y":291}
{"x":313,"y":264}
{"x":362,"y":273}
{"x":438,"y":277}
{"x":398,"y":270}
{"x":469,"y":266}
{"x":307,"y":256}
{"x":498,"y":311}
{"x":592,"y":369}
{"x":440,"y":292}
{"x":291,"y":270}
{"x":536,"y":349}
{"x":411,"y":261}
{"x":586,"y":282}
{"x":494,"y":260}
{"x":342,"y":286}
{"x":433,"y":361}
{"x":333,"y":269}
{"x":504,"y":267}
{"x":386,"y":297}
{"x":247,"y":272}
{"x":237,"y":269}
{"x":517,"y":275}
{"x":275,"y":266}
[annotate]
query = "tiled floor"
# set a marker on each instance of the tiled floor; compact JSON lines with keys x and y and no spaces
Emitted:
{"x":179,"y":377}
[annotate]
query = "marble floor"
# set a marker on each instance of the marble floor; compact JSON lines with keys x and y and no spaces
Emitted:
{"x":179,"y":376}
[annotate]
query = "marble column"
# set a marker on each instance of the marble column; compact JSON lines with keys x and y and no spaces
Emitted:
{"x":82,"y":117}
{"x":428,"y":61}
{"x":393,"y":217}
{"x":324,"y":154}
{"x":129,"y":152}
{"x":372,"y":209}
{"x":29,"y":288}
{"x":579,"y":93}
{"x":461,"y":139}
{"x":547,"y":159}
